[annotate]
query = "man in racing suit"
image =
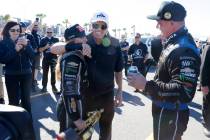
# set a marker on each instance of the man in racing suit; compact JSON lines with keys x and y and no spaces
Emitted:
{"x":73,"y":71}
{"x":175,"y":82}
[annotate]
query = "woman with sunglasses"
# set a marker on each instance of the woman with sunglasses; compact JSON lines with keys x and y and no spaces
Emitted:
{"x":16,"y":53}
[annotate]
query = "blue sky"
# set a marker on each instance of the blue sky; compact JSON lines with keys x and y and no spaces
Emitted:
{"x":122,"y":13}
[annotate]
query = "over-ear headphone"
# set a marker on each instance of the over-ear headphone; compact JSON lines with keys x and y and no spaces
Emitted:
{"x":106,"y":40}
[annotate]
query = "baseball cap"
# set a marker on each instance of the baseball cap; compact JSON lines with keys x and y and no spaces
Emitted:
{"x":169,"y":10}
{"x":74,"y":31}
{"x":100,"y":16}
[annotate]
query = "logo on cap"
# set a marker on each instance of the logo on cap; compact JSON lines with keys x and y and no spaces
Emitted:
{"x":101,"y":15}
{"x":167,"y":15}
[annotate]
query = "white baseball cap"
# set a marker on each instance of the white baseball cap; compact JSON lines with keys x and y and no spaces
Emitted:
{"x":100,"y":16}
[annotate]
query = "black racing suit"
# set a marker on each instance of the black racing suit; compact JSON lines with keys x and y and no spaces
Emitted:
{"x":205,"y":81}
{"x":73,"y":72}
{"x":174,"y":86}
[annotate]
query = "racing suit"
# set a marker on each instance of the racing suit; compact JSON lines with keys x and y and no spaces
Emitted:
{"x":174,"y":86}
{"x":73,"y":71}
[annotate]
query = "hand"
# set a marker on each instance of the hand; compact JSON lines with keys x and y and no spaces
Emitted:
{"x":18,"y":47}
{"x":205,"y":90}
{"x":118,"y":98}
{"x":86,"y":50}
{"x":80,"y":124}
{"x":136,"y":80}
{"x":22,"y":41}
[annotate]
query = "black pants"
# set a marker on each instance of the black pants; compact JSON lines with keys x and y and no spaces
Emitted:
{"x":206,"y":111}
{"x":19,"y":87}
{"x":141,"y":68}
{"x":125,"y":62}
{"x":46,"y":64}
{"x":169,"y":124}
{"x":91,"y":103}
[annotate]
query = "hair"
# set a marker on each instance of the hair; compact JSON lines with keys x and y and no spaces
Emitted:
{"x":7,"y":27}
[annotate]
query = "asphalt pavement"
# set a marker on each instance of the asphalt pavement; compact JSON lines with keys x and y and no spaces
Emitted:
{"x":133,"y":121}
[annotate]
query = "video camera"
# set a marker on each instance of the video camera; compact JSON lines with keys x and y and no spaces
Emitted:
{"x":15,"y":123}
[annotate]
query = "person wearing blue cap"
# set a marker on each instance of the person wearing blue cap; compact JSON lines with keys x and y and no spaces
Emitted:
{"x":175,"y":82}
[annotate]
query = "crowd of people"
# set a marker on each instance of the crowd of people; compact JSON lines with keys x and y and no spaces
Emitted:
{"x":90,"y":65}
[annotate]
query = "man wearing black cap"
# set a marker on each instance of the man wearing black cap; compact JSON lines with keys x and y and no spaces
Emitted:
{"x":175,"y":81}
{"x":73,"y":70}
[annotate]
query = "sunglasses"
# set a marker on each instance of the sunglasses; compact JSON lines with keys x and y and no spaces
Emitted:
{"x":49,"y":32}
{"x":97,"y":26}
{"x":14,"y":30}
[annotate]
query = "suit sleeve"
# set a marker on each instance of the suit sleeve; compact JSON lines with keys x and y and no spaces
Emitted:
{"x":184,"y":72}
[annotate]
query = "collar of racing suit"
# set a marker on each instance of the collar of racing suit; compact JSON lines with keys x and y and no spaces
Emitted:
{"x":174,"y":36}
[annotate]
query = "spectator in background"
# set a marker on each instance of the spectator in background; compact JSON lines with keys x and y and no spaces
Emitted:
{"x":205,"y":86}
{"x":36,"y":62}
{"x":139,"y":54}
{"x":16,"y":53}
{"x":49,"y":60}
{"x":124,"y":45}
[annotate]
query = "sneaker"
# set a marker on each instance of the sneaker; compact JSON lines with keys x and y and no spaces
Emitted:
{"x":44,"y":90}
{"x":54,"y":89}
{"x":206,"y":132}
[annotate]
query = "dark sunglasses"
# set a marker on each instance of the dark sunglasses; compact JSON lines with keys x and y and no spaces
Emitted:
{"x":97,"y":26}
{"x":49,"y":32}
{"x":14,"y":30}
{"x":137,"y":37}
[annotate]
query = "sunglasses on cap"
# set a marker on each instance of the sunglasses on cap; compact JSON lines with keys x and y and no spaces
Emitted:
{"x":14,"y":30}
{"x":97,"y":26}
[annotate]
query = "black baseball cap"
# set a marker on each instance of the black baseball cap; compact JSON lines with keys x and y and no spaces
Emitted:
{"x":74,"y":31}
{"x":170,"y":10}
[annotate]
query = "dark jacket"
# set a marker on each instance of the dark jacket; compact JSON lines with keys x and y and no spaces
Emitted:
{"x":178,"y":70}
{"x":205,"y":67}
{"x":37,"y":39}
{"x":15,"y":62}
{"x":101,"y":67}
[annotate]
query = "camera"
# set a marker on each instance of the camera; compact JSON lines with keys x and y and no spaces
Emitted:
{"x":15,"y":123}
